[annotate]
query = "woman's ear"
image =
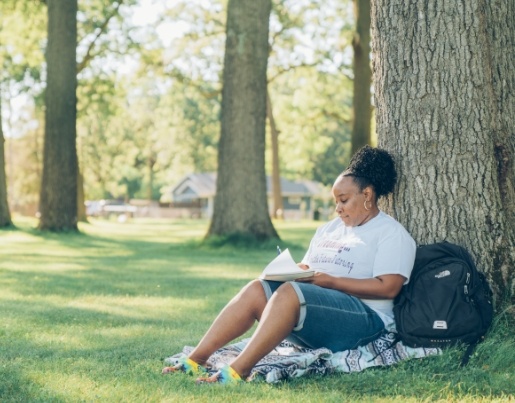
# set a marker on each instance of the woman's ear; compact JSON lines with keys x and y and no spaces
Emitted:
{"x":368,"y":192}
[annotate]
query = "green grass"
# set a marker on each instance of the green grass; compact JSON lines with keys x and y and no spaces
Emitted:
{"x":89,"y":317}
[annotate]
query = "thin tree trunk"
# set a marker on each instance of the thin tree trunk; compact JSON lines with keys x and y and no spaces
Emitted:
{"x":444,"y":85}
{"x":5,"y":215}
{"x":362,"y":107}
{"x":81,"y":206}
{"x":276,"y":174}
{"x":241,"y":201}
{"x":58,"y":201}
{"x":151,"y":161}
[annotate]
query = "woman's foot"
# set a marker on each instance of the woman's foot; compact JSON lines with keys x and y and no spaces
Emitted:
{"x":227,"y":376}
{"x":187,"y":366}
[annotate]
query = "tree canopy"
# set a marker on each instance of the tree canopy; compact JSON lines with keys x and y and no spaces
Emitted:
{"x":149,"y":93}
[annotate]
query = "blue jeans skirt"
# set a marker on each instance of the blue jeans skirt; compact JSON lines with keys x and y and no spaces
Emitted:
{"x":330,"y":318}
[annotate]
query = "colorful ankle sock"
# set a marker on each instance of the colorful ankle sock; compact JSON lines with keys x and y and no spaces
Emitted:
{"x":186,"y":365}
{"x":227,"y":376}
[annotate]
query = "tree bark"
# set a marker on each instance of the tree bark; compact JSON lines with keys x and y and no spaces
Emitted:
{"x":5,"y":215}
{"x":362,"y":107}
{"x":151,"y":161}
{"x":241,"y":202}
{"x":81,"y":206}
{"x":58,"y":198}
{"x":276,"y":172}
{"x":444,"y":85}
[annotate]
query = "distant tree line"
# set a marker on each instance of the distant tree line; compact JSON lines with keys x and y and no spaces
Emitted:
{"x":139,"y":130}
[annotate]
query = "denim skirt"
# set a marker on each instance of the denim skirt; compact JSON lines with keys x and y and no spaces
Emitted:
{"x":330,"y":318}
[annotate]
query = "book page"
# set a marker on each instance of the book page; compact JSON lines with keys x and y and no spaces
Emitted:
{"x":284,"y":268}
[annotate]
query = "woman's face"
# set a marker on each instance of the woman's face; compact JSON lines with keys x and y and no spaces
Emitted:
{"x":350,"y":201}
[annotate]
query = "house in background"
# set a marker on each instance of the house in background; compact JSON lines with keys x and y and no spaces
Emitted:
{"x":197,"y":193}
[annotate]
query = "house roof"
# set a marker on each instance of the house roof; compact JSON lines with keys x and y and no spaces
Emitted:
{"x":195,"y":186}
{"x":203,"y":186}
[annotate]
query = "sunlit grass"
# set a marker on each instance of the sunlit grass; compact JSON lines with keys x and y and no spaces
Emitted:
{"x":90,"y":316}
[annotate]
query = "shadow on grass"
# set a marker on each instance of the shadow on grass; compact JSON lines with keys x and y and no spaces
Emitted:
{"x":17,"y":388}
{"x":152,"y":282}
{"x":72,"y":265}
{"x":92,"y":265}
{"x":92,"y":307}
{"x":213,"y":244}
{"x":36,"y":314}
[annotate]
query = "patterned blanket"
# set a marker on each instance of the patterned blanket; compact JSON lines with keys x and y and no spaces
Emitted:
{"x":288,"y":361}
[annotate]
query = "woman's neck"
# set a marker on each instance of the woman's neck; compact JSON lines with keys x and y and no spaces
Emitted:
{"x":372,"y":214}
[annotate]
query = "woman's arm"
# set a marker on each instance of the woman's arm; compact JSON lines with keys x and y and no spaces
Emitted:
{"x":386,"y":286}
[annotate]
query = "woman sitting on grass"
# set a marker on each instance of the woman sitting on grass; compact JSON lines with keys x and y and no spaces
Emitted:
{"x":362,"y":258}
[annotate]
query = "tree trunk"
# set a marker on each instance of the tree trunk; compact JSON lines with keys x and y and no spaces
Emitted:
{"x":81,"y":206}
{"x":276,"y":172}
{"x":58,"y":200}
{"x":5,"y":215}
{"x":444,"y":85}
{"x":241,"y":201}
{"x":362,"y":107}
{"x":151,"y":161}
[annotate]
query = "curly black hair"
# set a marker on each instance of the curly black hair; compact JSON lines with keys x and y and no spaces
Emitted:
{"x":373,"y":167}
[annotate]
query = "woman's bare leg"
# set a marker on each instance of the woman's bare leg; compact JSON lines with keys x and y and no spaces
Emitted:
{"x":238,"y":316}
{"x":277,"y":321}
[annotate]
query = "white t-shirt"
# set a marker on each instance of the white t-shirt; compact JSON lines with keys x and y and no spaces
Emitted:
{"x":380,"y":246}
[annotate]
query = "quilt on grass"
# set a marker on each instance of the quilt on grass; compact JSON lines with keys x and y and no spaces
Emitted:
{"x":289,"y":361}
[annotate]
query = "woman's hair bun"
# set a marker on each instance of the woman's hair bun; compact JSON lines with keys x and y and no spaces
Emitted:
{"x":373,"y":166}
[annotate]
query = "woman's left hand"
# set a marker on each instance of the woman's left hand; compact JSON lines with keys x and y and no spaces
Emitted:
{"x":386,"y":286}
{"x":320,"y":279}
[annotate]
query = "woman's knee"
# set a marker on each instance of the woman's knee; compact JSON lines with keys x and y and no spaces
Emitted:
{"x":250,"y":287}
{"x":253,"y":296}
{"x":286,"y":294}
{"x":253,"y":288}
{"x":286,"y":300}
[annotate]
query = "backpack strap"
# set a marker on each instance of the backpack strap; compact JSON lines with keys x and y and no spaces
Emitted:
{"x":468,"y":353}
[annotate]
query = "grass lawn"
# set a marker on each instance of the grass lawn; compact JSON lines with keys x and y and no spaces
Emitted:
{"x":89,"y":317}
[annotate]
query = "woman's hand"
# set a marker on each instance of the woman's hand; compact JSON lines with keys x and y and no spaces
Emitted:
{"x":386,"y":286}
{"x":303,"y":266}
{"x":320,"y":279}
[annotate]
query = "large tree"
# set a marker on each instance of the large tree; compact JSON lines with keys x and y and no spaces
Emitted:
{"x":241,"y":199}
{"x":58,"y":200}
{"x":362,"y":107}
{"x":444,"y":85}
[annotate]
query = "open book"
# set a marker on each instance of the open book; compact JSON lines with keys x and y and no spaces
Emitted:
{"x":284,"y":268}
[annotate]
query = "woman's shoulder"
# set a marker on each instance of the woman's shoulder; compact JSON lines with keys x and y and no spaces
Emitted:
{"x":330,"y":226}
{"x":387,"y":220}
{"x":390,"y":227}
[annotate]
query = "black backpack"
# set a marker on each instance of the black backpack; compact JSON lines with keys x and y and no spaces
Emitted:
{"x":446,"y":302}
